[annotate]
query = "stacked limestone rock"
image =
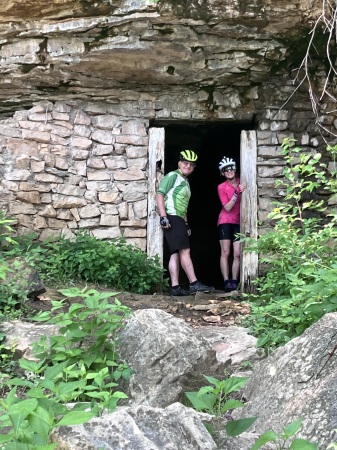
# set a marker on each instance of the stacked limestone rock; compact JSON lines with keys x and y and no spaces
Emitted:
{"x":65,"y":168}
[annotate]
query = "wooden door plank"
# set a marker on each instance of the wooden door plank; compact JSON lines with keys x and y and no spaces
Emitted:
{"x":249,"y":261}
{"x":156,"y":171}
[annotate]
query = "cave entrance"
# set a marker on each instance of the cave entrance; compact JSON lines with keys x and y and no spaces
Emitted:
{"x":211,"y":141}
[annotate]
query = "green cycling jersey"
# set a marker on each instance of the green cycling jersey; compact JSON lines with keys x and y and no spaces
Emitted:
{"x":176,"y":190}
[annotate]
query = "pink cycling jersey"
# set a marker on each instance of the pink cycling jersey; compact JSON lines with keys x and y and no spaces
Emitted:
{"x":226,"y":191}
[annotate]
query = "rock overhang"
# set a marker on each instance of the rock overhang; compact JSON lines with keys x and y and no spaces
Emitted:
{"x":83,"y":49}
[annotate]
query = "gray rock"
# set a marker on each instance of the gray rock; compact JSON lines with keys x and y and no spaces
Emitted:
{"x":297,"y":380}
{"x":233,"y":345}
{"x":167,"y":356}
{"x":140,"y":428}
{"x":21,"y":335}
{"x":35,"y":285}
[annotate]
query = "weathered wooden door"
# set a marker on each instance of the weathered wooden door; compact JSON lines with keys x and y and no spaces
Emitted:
{"x":248,"y":155}
{"x":156,"y":171}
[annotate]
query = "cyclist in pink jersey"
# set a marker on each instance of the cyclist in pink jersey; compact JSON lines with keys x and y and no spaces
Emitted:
{"x":229,"y":222}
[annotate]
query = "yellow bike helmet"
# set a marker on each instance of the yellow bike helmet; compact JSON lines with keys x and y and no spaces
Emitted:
{"x":188,"y":155}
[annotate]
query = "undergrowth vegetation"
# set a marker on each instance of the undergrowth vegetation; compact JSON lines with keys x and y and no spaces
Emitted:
{"x":299,"y":259}
{"x":112,"y":263}
{"x":217,"y":399}
{"x":78,"y":364}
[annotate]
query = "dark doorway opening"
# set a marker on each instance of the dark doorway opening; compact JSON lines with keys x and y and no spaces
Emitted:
{"x":211,"y":142}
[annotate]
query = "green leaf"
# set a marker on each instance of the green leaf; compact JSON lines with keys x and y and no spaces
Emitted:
{"x":53,"y":371}
{"x":66,"y":388}
{"x":31,"y":366}
{"x":292,"y":428}
{"x":102,"y":395}
{"x":6,"y":437}
{"x":205,"y":390}
{"x":213,"y":380}
{"x":231,"y":404}
{"x":119,"y":394}
{"x":41,"y":422}
{"x":236,"y":427}
{"x":75,"y":307}
{"x":268,"y":436}
{"x":42,"y":316}
{"x":201,"y":403}
{"x":233,"y":384}
{"x":75,"y":418}
{"x":24,"y":406}
{"x":302,"y":444}
{"x":11,"y":397}
{"x":262,"y":340}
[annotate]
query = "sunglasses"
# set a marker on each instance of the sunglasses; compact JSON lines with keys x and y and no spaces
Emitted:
{"x":228,"y":170}
{"x":186,"y":163}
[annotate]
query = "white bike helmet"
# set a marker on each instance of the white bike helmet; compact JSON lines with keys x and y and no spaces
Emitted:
{"x":227,"y":163}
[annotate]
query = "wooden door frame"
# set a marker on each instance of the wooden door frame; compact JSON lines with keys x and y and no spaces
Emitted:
{"x":248,"y":163}
{"x":248,"y":222}
{"x":154,"y":245}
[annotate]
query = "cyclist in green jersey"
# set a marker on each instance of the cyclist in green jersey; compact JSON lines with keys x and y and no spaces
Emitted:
{"x":173,"y":196}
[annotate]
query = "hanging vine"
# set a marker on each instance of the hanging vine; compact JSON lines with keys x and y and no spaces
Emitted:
{"x":324,"y":26}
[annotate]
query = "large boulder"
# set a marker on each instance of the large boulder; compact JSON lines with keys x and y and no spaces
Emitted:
{"x":25,"y":279}
{"x":167,"y":356}
{"x":21,"y":335}
{"x":139,"y":428}
{"x":298,"y":380}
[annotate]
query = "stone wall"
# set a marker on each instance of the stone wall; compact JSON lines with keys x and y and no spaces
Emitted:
{"x":65,"y":168}
{"x":286,"y":112}
{"x":70,"y":165}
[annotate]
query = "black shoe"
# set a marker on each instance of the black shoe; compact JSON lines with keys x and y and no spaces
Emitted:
{"x":231,"y":285}
{"x":199,"y":287}
{"x":234,"y":285}
{"x":178,"y":292}
{"x":227,"y":285}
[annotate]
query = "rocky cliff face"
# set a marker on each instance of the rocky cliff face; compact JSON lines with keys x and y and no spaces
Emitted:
{"x":83,"y":81}
{"x":90,"y":49}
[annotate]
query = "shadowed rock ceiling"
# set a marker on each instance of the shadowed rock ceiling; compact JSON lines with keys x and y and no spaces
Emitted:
{"x":89,"y":49}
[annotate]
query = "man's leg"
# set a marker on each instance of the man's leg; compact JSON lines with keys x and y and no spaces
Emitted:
{"x":186,"y":264}
{"x":173,"y":268}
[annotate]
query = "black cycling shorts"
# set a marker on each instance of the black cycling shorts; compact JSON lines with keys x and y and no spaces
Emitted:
{"x":229,"y":231}
{"x":176,"y":236}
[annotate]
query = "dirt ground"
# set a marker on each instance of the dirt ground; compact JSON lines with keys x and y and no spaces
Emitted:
{"x":216,"y":308}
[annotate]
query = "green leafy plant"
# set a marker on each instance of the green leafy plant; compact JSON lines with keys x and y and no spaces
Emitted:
{"x":248,"y":365}
{"x":5,"y":239}
{"x":13,"y":275}
{"x":281,"y":440}
{"x":26,"y":424}
{"x":6,"y":356}
{"x":298,"y":284}
{"x":14,"y":289}
{"x":215,"y":399}
{"x":6,"y":231}
{"x":111,"y":263}
{"x":85,"y":347}
{"x":80,"y":364}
